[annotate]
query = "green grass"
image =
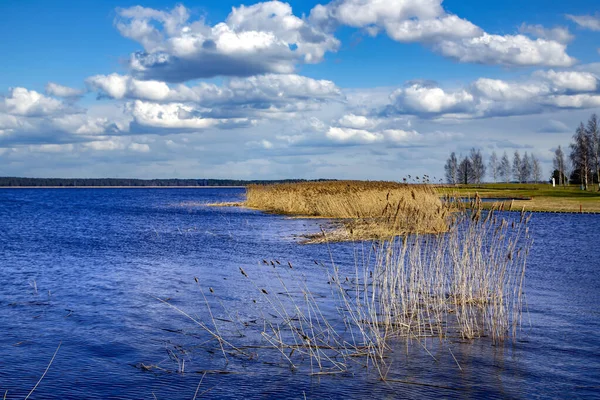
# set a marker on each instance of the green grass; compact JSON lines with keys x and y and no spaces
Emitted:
{"x":535,"y":197}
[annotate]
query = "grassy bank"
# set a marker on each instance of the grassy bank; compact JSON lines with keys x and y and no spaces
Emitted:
{"x":366,"y":210}
{"x":534,"y":197}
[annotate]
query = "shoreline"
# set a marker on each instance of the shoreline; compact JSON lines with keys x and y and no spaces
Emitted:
{"x":122,"y":187}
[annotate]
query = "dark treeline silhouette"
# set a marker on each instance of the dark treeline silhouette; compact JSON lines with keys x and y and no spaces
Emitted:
{"x":108,"y":182}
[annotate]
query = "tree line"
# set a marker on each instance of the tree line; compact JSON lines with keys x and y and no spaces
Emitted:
{"x":108,"y":182}
{"x":582,"y":166}
{"x":473,"y":169}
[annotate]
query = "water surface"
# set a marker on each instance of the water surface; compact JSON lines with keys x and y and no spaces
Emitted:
{"x":84,"y":268}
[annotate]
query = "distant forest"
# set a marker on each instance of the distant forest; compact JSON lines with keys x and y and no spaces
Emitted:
{"x":108,"y":182}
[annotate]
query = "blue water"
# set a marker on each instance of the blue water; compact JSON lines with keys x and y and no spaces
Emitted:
{"x":83,"y":268}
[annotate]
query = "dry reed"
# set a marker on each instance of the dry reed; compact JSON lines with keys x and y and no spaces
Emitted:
{"x":369,"y":210}
{"x":465,"y":283}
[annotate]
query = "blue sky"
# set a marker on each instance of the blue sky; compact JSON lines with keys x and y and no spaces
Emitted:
{"x":343,"y":89}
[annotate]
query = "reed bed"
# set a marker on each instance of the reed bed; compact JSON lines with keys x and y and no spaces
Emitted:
{"x":463,"y":284}
{"x":368,"y":210}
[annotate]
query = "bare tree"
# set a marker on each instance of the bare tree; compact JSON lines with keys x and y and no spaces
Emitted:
{"x":465,"y":171}
{"x":593,"y":132}
{"x":559,"y":165}
{"x":452,"y":169}
{"x":478,"y":165}
{"x":525,"y":168}
{"x":580,"y":154}
{"x":493,"y":166}
{"x":505,"y":168}
{"x":568,"y":172}
{"x":516,"y":167}
{"x":536,"y":169}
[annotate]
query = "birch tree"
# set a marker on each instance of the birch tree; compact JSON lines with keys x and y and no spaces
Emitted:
{"x":478,"y":165}
{"x":516,"y":166}
{"x":525,"y":169}
{"x":536,"y":169}
{"x":452,"y":169}
{"x":493,"y":166}
{"x":593,"y":133}
{"x":504,"y":168}
{"x":580,"y":155}
{"x":559,"y":165}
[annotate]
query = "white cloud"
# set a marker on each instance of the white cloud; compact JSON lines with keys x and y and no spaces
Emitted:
{"x":591,"y":22}
{"x":52,"y":148}
{"x":559,"y":34}
{"x":363,"y":13}
{"x":340,"y":134}
{"x":576,"y":81}
{"x":516,"y":50}
{"x":54,"y":89}
{"x":83,"y":124}
{"x":172,"y":115}
{"x":25,"y":102}
{"x":542,"y":91}
{"x":360,"y":129}
{"x":139,"y":147}
{"x":446,"y":27}
{"x":419,"y":99}
{"x":358,"y":122}
{"x":427,"y":22}
{"x":262,"y":38}
{"x":263,"y":88}
{"x":113,"y":85}
{"x":499,"y":90}
{"x":105,"y":145}
{"x":574,"y":101}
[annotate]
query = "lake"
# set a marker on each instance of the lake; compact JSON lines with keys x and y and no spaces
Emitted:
{"x":85,"y":268}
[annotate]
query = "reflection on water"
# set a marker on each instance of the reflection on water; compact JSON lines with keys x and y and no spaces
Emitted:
{"x":84,"y":267}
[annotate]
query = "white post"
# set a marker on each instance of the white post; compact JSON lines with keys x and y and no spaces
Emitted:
{"x":553,"y":182}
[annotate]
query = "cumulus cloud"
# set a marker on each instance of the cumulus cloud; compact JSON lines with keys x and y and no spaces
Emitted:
{"x":262,"y":38}
{"x":355,"y":129}
{"x":170,"y":115}
{"x":542,"y":91}
{"x":139,"y":147}
{"x":363,"y":136}
{"x":404,"y":21}
{"x":591,"y":22}
{"x":573,"y":101}
{"x":559,"y":34}
{"x":419,"y":99}
{"x":576,"y":81}
{"x":516,"y":50}
{"x":21,"y":101}
{"x":52,"y":148}
{"x":499,"y":90}
{"x":263,"y":88}
{"x":267,"y":96}
{"x":54,"y":89}
{"x":427,"y":22}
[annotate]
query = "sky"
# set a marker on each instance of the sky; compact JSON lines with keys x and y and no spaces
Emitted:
{"x":347,"y":89}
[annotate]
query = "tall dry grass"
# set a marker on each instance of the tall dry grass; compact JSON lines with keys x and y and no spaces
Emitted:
{"x":369,"y":209}
{"x":465,"y":283}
